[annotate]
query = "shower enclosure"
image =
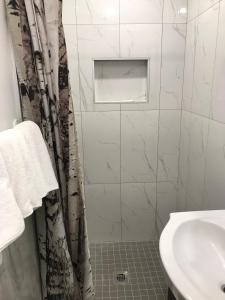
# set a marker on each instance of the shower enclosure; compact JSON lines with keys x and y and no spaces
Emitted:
{"x":163,"y":149}
{"x":126,"y":62}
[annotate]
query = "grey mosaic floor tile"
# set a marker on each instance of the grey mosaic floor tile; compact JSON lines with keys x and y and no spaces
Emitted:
{"x":142,"y":262}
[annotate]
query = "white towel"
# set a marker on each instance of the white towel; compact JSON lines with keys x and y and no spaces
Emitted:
{"x":42,"y":171}
{"x":11,"y":219}
{"x":12,"y":155}
{"x":29,"y":166}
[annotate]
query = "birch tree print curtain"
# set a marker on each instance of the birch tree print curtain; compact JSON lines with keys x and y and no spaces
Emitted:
{"x":41,"y":63}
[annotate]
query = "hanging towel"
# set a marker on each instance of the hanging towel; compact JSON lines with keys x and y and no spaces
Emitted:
{"x":28,"y":164}
{"x":11,"y":219}
{"x":12,"y":155}
{"x":42,"y":172}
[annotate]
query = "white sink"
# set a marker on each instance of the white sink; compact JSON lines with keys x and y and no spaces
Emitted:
{"x":192,"y":249}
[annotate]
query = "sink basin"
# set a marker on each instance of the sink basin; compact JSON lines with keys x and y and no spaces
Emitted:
{"x":192,"y":249}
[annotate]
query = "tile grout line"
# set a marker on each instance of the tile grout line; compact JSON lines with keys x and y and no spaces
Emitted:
{"x":129,"y":110}
{"x":210,"y":111}
{"x":181,"y":114}
{"x":131,"y":182}
{"x":157,"y":159}
{"x":114,"y":24}
{"x":121,"y":207}
{"x":192,"y":95}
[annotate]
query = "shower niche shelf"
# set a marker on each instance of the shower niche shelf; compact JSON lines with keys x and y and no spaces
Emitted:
{"x":121,"y":80}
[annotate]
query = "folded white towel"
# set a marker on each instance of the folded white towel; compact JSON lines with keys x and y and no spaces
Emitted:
{"x":12,"y":155}
{"x":42,"y":172}
{"x":28,"y":164}
{"x":11,"y":219}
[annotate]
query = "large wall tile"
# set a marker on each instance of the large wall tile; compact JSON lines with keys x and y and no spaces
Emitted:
{"x":173,"y":47}
{"x":141,"y":11}
{"x":215,"y":168}
{"x":204,"y":60}
{"x":95,"y":41}
{"x":168,"y":150}
{"x":72,"y":53}
{"x":166,"y":202}
{"x":97,"y":11}
{"x":69,"y":12}
{"x":139,"y":132}
{"x":138,"y":211}
{"x":218,"y":95}
{"x":134,"y":44}
{"x":175,"y":11}
{"x":189,"y":65}
{"x":197,"y":157}
{"x":103,"y":212}
{"x":101,"y":136}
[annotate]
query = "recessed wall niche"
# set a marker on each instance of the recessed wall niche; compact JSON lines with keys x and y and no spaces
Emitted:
{"x":121,"y":80}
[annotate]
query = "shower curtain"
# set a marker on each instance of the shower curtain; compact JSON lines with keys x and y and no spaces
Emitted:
{"x":42,"y":71}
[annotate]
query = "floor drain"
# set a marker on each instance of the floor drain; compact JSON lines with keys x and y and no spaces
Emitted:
{"x":223,"y":288}
{"x":121,"y":278}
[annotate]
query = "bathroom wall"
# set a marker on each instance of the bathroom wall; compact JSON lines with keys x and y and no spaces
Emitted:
{"x":19,"y":269}
{"x":202,"y":157}
{"x":129,"y":152}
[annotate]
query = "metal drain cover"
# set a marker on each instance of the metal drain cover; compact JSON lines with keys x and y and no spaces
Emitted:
{"x":121,"y":278}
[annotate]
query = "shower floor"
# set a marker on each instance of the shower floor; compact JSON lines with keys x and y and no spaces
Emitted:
{"x":142,"y":262}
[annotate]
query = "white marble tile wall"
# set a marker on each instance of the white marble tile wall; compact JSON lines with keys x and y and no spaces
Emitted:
{"x":215,"y":167}
{"x":172,"y":65}
{"x":129,"y":151}
{"x":206,"y":30}
{"x":168,"y":148}
{"x":218,"y":92}
{"x":101,"y":142}
{"x":144,"y":40}
{"x":139,"y":136}
{"x":202,"y":160}
{"x":141,"y":11}
{"x":95,"y":41}
{"x":97,"y":11}
{"x":138,"y":211}
{"x":183,"y":160}
{"x":175,"y":11}
{"x":166,"y":202}
{"x":103,"y":212}
{"x":197,"y":157}
{"x":188,"y":83}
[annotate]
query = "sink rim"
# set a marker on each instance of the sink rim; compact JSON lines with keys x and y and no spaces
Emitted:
{"x":185,"y":287}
